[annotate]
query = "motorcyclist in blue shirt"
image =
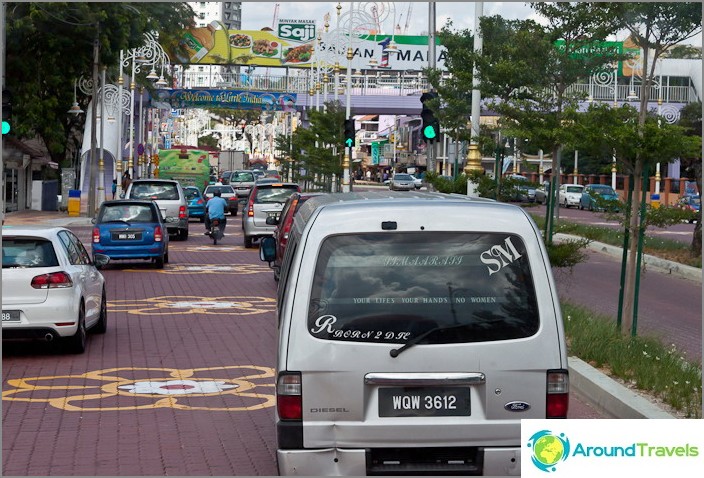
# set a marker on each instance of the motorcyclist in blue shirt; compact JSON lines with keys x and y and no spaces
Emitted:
{"x":215,"y":209}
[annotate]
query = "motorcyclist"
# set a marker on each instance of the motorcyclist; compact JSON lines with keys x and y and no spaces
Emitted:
{"x":215,"y":209}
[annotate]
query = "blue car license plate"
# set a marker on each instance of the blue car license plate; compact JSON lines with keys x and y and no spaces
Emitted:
{"x":127,"y":235}
{"x":424,"y":402}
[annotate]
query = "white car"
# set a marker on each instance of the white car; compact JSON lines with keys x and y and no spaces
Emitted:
{"x":570,"y":195}
{"x":51,"y":288}
{"x":417,"y":181}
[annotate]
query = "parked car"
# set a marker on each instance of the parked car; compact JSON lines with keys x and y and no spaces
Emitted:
{"x":242,"y":182}
{"x":569,"y":195}
{"x":283,"y":225}
{"x":130,"y":229}
{"x":542,"y":193}
{"x":265,"y":200}
{"x":402,"y":182}
{"x":227,"y":192}
{"x":51,"y":288}
{"x":523,"y":190}
{"x":599,"y":197}
{"x":414,"y":335}
{"x":691,"y":203}
{"x":196,"y":202}
{"x":169,"y":196}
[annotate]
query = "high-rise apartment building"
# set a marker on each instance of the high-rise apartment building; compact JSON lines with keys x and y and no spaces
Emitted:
{"x":228,"y":13}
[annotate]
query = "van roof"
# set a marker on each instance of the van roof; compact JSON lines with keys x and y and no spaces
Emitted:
{"x":372,"y":198}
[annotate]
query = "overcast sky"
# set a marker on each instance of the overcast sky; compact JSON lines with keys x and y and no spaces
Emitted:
{"x":257,"y":15}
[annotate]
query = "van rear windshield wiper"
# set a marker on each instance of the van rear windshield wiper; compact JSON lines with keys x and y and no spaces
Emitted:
{"x":395,"y":352}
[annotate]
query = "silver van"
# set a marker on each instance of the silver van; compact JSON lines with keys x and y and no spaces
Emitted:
{"x":169,"y":196}
{"x":416,"y":330}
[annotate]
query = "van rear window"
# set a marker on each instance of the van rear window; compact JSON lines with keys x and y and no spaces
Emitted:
{"x":395,"y":287}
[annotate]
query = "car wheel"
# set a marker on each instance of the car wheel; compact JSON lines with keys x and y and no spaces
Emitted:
{"x":184,"y":234}
{"x":591,"y":206}
{"x":76,"y":344}
{"x":202,"y":219}
{"x":166,"y":256}
{"x":102,"y":325}
{"x":247,"y":242}
{"x":277,"y":273}
{"x":159,"y":261}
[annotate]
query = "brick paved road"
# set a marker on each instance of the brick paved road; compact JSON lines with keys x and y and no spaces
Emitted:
{"x":181,"y":383}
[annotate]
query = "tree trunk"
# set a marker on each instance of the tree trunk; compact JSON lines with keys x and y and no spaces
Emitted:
{"x":631,"y":264}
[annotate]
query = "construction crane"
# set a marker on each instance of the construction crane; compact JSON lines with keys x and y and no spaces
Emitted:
{"x":408,"y":17}
{"x":276,"y":17}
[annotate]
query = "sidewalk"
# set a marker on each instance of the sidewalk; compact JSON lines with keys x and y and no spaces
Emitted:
{"x":605,"y":393}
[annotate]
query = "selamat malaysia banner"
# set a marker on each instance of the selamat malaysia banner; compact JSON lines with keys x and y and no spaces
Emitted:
{"x":293,"y":45}
{"x":611,"y":447}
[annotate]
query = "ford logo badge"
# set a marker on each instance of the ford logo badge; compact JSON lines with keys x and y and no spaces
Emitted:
{"x":517,"y":406}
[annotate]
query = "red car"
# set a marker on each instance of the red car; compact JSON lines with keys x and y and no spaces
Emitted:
{"x":283,"y":226}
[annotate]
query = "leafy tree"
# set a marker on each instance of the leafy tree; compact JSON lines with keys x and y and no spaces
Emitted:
{"x":691,"y":120}
{"x":685,"y":52}
{"x":654,"y":28}
{"x":50,"y":45}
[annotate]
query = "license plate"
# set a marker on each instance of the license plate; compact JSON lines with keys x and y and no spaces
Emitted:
{"x":424,"y":402}
{"x":273,"y":214}
{"x":10,"y":315}
{"x":127,"y":236}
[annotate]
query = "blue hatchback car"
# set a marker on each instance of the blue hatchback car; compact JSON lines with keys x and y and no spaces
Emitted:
{"x":131,"y":229}
{"x":196,"y":202}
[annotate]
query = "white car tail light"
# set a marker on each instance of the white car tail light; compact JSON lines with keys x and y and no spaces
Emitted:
{"x":55,"y":280}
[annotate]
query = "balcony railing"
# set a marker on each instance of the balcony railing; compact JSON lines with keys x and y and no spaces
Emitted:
{"x":398,"y":84}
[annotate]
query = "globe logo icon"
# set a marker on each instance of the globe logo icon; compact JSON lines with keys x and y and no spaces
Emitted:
{"x":548,"y":449}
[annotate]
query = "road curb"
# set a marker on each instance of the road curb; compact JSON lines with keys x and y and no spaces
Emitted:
{"x":661,"y":265}
{"x":610,"y":396}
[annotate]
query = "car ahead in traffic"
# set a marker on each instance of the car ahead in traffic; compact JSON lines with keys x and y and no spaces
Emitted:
{"x":242,"y":182}
{"x":265,"y":200}
{"x":169,"y":196}
{"x":129,"y":229}
{"x":416,"y":331}
{"x":196,"y":203}
{"x":283,"y":225}
{"x":227,"y":192}
{"x":402,"y":182}
{"x":599,"y":197}
{"x":542,"y":193}
{"x":51,"y":288}
{"x":569,"y":195}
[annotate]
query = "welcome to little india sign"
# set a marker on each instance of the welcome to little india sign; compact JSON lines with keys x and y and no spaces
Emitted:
{"x":235,"y":99}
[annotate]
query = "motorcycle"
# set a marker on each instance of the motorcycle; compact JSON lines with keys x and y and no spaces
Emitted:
{"x":217,"y":230}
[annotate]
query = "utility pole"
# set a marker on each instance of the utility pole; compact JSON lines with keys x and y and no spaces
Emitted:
{"x":431,"y":150}
{"x":2,"y":74}
{"x":93,"y":125}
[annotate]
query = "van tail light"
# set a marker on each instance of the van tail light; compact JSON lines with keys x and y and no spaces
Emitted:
{"x":55,"y":280}
{"x":199,"y":201}
{"x":182,"y":213}
{"x":158,"y":235}
{"x":233,"y":198}
{"x":289,"y":403}
{"x":96,"y":235}
{"x":558,"y":394}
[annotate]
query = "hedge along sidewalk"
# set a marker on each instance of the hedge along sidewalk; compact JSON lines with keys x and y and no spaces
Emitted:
{"x":663,"y":265}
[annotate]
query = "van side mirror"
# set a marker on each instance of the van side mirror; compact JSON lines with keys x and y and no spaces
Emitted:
{"x":267,"y":249}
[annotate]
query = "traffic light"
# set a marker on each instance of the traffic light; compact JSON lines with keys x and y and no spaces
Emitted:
{"x":349,"y":132}
{"x":431,"y":125}
{"x":6,"y":111}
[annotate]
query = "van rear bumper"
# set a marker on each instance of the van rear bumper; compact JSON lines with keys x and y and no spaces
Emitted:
{"x":491,"y":461}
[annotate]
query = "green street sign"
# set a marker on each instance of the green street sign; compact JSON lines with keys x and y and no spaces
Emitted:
{"x":348,"y":142}
{"x":429,"y":132}
{"x":5,"y":127}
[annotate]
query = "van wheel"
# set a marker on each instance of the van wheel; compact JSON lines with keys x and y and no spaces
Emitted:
{"x":247,"y":242}
{"x":166,"y":256}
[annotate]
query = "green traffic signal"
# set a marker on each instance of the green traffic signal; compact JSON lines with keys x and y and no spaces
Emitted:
{"x":5,"y":127}
{"x":349,"y":142}
{"x":429,"y":132}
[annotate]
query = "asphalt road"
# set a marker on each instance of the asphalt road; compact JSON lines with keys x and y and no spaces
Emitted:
{"x":181,"y":383}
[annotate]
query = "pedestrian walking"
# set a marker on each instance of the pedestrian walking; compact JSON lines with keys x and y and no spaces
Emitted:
{"x":114,"y":188}
{"x":126,"y":181}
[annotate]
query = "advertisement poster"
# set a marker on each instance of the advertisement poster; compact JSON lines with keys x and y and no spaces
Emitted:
{"x":216,"y":98}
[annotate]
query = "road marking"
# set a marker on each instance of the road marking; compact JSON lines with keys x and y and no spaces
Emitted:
{"x":137,"y":388}
{"x":235,"y":269}
{"x":184,"y":305}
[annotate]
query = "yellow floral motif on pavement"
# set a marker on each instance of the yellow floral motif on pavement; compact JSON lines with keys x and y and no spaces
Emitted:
{"x":235,"y":269}
{"x":136,"y":388}
{"x":184,"y":304}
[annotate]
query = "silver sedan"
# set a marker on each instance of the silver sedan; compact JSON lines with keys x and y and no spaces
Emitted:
{"x":402,"y":182}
